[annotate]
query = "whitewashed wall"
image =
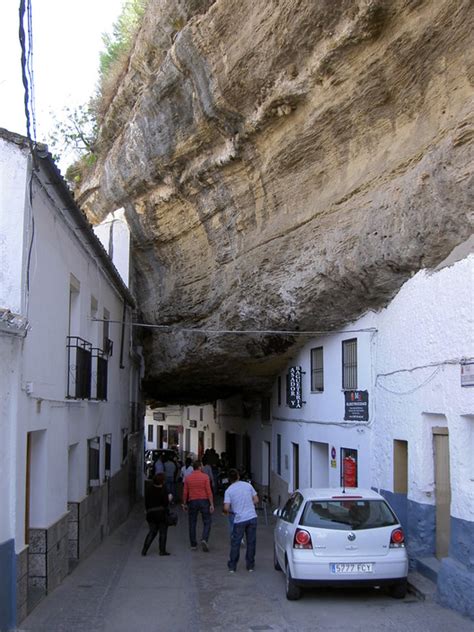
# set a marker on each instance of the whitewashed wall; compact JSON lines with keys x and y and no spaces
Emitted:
{"x":429,"y":324}
{"x":13,"y":197}
{"x":321,"y":418}
{"x":39,"y":405}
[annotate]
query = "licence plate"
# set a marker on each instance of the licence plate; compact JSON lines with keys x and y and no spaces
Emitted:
{"x":348,"y":568}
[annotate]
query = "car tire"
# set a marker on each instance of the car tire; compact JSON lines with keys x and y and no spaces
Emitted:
{"x":293,"y":592}
{"x":276,"y":563}
{"x":398,"y":591}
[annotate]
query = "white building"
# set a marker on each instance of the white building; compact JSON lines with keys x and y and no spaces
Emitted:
{"x":70,"y":424}
{"x":192,"y":429}
{"x":388,"y":403}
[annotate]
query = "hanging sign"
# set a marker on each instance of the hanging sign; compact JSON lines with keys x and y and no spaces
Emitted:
{"x":293,"y":387}
{"x":356,"y":406}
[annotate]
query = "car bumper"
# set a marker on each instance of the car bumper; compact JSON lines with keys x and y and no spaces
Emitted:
{"x":389,"y":569}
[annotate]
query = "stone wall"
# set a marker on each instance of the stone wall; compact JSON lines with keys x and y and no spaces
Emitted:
{"x":47,"y":559}
{"x":22,"y":584}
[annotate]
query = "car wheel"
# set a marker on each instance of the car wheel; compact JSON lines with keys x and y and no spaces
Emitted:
{"x":293,"y":592}
{"x":398,"y":591}
{"x":276,"y":563}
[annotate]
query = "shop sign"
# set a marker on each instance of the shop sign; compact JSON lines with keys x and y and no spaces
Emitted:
{"x":293,"y":387}
{"x":356,"y":406}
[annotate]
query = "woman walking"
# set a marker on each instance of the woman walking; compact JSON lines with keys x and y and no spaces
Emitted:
{"x":157,"y":500}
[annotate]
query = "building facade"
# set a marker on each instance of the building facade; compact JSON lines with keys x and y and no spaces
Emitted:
{"x":388,"y":403}
{"x":70,"y":410}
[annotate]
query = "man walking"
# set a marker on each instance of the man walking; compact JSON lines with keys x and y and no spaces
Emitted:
{"x":197,"y":498}
{"x":242,"y":498}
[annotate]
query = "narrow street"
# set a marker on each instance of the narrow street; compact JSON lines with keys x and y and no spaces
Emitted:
{"x":118,"y":590}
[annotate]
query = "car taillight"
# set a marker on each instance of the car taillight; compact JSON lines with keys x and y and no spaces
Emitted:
{"x":302,"y":540}
{"x":397,"y":539}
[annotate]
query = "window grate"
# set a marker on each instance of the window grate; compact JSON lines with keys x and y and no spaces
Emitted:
{"x":317,"y":370}
{"x":349,"y":364}
{"x":79,"y":353}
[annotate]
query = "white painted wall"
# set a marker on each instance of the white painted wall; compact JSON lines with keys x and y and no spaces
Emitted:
{"x":321,"y":418}
{"x":114,"y":235}
{"x":13,"y":188}
{"x":39,"y":405}
{"x":430,"y":324}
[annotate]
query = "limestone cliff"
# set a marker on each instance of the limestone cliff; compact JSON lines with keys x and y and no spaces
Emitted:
{"x":284,"y":164}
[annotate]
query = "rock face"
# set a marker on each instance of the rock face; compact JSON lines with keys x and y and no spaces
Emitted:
{"x":284,"y":165}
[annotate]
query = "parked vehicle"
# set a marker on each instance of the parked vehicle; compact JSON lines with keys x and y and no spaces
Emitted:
{"x":340,"y":537}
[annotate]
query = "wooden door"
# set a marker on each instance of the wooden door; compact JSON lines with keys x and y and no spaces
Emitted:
{"x":442,"y":491}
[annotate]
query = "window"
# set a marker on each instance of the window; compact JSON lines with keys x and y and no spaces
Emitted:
{"x":99,"y":374}
{"x":124,"y":444}
{"x":108,"y":455}
{"x":291,"y":508}
{"x":266,"y":409}
{"x":317,"y":370}
{"x":150,"y":433}
{"x":74,"y":306}
{"x":279,"y":454}
{"x":279,"y":390}
{"x":94,"y":461}
{"x":400,"y":466}
{"x":349,"y":364}
{"x":343,"y":515}
{"x":79,"y":368}
{"x":107,"y":344}
{"x":201,"y":414}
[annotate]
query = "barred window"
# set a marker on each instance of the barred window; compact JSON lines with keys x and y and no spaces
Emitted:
{"x":150,"y":433}
{"x":349,"y":364}
{"x":317,"y":369}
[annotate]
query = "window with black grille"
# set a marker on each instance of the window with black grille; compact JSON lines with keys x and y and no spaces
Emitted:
{"x":99,"y":374}
{"x":94,"y":461}
{"x":349,"y":364}
{"x":79,"y":368}
{"x":317,"y":370}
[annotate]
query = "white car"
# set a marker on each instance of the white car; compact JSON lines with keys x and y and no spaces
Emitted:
{"x":340,"y":537}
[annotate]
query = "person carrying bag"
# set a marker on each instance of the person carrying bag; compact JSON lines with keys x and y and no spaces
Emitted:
{"x":157,"y":513}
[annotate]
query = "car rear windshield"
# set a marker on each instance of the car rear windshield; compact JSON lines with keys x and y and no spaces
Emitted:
{"x":349,"y":515}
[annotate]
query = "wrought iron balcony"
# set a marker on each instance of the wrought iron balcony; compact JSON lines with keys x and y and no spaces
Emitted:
{"x":99,"y":374}
{"x":79,"y":359}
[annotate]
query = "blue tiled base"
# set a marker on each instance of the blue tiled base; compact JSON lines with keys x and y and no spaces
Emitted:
{"x":7,"y":585}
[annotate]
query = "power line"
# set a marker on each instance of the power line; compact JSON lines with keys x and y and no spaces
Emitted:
{"x":277,"y":332}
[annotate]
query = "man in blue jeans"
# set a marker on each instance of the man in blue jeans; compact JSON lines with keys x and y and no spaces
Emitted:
{"x":198,"y":499}
{"x":242,"y":498}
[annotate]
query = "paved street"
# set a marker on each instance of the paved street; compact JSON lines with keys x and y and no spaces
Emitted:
{"x":117,"y":590}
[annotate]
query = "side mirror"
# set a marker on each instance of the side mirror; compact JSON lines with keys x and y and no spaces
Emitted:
{"x":277,"y":512}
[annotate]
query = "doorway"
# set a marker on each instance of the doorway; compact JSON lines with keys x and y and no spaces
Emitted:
{"x":200,"y":443}
{"x":319,"y":464}
{"x":266,"y":466}
{"x":296,"y":465}
{"x":231,"y":448}
{"x":442,"y":491}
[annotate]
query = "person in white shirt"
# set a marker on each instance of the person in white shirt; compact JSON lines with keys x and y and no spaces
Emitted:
{"x":242,"y":498}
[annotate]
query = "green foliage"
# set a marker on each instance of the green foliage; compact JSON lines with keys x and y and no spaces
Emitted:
{"x":76,"y":129}
{"x":118,"y":43}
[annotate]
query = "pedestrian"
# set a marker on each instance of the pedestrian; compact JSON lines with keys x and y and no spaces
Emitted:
{"x":242,"y":498}
{"x":198,"y":499}
{"x":156,"y":506}
{"x":170,"y":470}
{"x":207,"y":469}
{"x":159,"y":465}
{"x":187,"y":468}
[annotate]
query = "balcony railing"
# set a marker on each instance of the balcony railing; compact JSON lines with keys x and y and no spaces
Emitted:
{"x":99,"y":374}
{"x":79,"y":359}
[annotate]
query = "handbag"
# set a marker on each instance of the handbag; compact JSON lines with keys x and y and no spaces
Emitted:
{"x":171,"y":518}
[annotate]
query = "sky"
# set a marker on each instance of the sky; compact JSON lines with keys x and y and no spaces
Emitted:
{"x":67,"y":39}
